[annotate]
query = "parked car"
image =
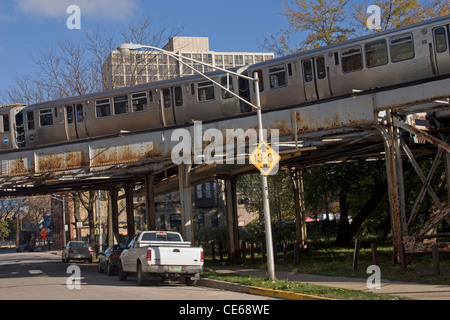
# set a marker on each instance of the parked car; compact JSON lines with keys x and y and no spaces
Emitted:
{"x":108,"y":261}
{"x":77,"y":250}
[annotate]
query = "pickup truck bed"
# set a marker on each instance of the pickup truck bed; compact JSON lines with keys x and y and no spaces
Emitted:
{"x":164,"y":256}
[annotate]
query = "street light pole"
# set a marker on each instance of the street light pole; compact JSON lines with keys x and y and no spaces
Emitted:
{"x":125,"y":48}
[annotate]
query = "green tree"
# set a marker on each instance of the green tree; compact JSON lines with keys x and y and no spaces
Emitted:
{"x":4,"y":229}
{"x":323,"y":22}
{"x":397,"y":13}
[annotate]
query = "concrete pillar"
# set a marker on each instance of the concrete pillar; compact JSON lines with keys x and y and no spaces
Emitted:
{"x":150,"y":201}
{"x":130,"y":210}
{"x":186,"y":202}
{"x":232,"y":217}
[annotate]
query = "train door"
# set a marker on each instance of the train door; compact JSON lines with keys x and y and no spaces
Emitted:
{"x":75,"y":122}
{"x":168,"y":98}
{"x":315,"y":79}
{"x":441,"y":49}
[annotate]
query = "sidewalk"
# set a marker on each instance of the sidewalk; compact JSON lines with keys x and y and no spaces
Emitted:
{"x":405,"y":289}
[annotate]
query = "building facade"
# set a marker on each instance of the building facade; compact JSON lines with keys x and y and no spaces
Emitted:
{"x":147,"y":66}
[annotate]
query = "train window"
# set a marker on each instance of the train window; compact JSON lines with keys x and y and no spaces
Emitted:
{"x":441,"y":41}
{"x":30,"y":120}
{"x":121,"y":104}
{"x":139,"y":101}
{"x":150,"y":96}
{"x":224,"y":82}
{"x":402,"y":47}
{"x":167,"y":98}
{"x":178,"y":96}
{"x":376,"y":53}
{"x":80,"y":115}
{"x":103,"y":108}
{"x":307,"y":70}
{"x":69,"y":110}
{"x":5,"y":124}
{"x":205,"y":91}
{"x":277,"y":76}
{"x":320,"y":65}
{"x":46,"y":117}
{"x":261,"y":80}
{"x":351,"y":59}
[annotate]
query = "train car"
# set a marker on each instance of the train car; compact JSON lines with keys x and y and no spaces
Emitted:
{"x":147,"y":106}
{"x":9,"y":125}
{"x":409,"y":53}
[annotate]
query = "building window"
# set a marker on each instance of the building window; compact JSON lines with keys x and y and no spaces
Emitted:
{"x":201,"y":219}
{"x":238,"y":60}
{"x":351,"y":59}
{"x":402,"y":47}
{"x":139,"y":101}
{"x":376,"y":53}
{"x":215,"y":219}
{"x":205,"y":91}
{"x":102,"y":108}
{"x":277,"y":76}
{"x":45,"y":117}
{"x":121,"y":104}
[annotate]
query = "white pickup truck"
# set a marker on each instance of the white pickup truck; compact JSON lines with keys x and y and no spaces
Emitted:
{"x":156,"y":255}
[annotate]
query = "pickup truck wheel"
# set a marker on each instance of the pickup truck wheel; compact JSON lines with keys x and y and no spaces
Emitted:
{"x":122,"y":274}
{"x":190,"y":282}
{"x":141,"y":278}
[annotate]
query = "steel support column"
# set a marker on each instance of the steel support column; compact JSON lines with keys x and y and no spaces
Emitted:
{"x":300,"y":212}
{"x":395,"y":187}
{"x":130,"y":210}
{"x":150,"y":201}
{"x":232,"y":217}
{"x":113,"y":195}
{"x":184,"y":173}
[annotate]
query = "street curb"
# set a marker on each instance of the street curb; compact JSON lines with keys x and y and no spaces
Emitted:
{"x":228,"y":286}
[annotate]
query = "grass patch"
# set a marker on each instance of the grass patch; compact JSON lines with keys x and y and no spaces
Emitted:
{"x":298,"y":287}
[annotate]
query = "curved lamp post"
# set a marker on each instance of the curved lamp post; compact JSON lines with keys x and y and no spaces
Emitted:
{"x":125,"y":49}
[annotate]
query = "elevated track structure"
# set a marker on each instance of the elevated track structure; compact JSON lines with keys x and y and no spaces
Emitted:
{"x":375,"y":124}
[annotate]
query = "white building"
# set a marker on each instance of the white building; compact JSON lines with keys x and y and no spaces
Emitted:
{"x":147,"y":66}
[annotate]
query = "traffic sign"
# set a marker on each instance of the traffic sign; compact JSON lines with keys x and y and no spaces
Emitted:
{"x":43,"y":233}
{"x":264,"y":158}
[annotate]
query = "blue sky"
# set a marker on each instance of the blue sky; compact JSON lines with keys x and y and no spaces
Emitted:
{"x":31,"y":26}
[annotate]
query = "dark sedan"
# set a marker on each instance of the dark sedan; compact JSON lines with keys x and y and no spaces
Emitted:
{"x":77,"y":250}
{"x":108,"y":261}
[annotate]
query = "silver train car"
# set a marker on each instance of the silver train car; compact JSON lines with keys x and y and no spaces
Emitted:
{"x":410,"y":53}
{"x":11,"y":124}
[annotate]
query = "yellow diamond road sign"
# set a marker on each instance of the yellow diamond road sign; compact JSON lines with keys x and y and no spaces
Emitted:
{"x":264,"y":158}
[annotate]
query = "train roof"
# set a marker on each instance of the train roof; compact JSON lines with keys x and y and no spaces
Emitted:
{"x":381,"y":34}
{"x":138,"y":87}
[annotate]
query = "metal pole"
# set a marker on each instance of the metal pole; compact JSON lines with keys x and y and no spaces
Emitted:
{"x":265,"y":191}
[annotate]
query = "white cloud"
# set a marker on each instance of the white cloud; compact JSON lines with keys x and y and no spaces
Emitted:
{"x":110,"y":9}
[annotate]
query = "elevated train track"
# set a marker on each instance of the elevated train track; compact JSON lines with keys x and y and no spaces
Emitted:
{"x":374,"y":124}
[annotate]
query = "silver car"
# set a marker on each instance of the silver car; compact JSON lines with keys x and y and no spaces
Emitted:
{"x":77,"y":250}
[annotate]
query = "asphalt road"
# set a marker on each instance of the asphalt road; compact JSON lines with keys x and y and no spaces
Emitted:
{"x":42,"y":276}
